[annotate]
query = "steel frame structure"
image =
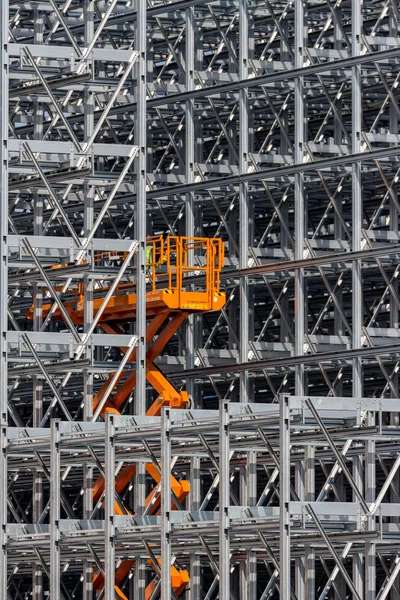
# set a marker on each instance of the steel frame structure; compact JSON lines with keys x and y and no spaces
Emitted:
{"x":275,"y":126}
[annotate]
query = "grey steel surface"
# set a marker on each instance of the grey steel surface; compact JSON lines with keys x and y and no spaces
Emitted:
{"x":274,"y":125}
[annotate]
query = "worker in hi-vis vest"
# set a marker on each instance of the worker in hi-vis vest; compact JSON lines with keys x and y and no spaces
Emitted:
{"x":149,"y":260}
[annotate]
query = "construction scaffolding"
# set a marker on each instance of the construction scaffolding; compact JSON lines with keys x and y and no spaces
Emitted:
{"x":199,"y":300}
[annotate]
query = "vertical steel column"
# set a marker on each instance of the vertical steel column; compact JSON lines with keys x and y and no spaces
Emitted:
{"x":3,"y":501}
{"x":251,"y":566}
{"x":87,"y":511}
{"x":3,"y":291}
{"x":109,"y":536}
{"x":37,"y":382}
{"x":358,"y":559}
{"x":394,"y":311}
{"x":243,"y":564}
{"x":233,"y":308}
{"x":89,"y":211}
{"x":340,"y":583}
{"x":284,"y":496}
{"x":356,"y":7}
{"x":356,"y":196}
{"x":198,"y":325}
{"x":224,"y":484}
{"x":248,"y":497}
{"x":140,"y":221}
{"x":139,"y":501}
{"x":309,"y":455}
{"x":301,"y":562}
{"x":339,"y":232}
{"x":189,"y":173}
{"x":37,"y":579}
{"x":244,"y":239}
{"x":299,"y":194}
{"x":55,"y":506}
{"x":394,"y":212}
{"x":166,"y":504}
{"x":299,"y":234}
{"x":194,"y":504}
{"x":370,"y":495}
{"x":198,"y":58}
{"x":285,"y":331}
{"x":243,"y":195}
{"x":88,"y":298}
{"x":140,"y":232}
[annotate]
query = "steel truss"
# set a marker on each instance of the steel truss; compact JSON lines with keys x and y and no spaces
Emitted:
{"x":261,"y":447}
{"x":273,"y":125}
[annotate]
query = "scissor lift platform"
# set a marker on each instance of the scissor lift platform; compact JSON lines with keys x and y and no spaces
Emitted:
{"x":171,"y":296}
{"x":169,"y":272}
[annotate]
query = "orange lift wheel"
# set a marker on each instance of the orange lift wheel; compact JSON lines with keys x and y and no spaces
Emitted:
{"x":170,"y":298}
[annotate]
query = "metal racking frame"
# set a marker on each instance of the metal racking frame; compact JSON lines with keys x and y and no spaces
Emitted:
{"x":274,"y":125}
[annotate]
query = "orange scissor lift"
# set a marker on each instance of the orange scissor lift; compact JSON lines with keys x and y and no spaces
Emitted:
{"x":170,"y":298}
